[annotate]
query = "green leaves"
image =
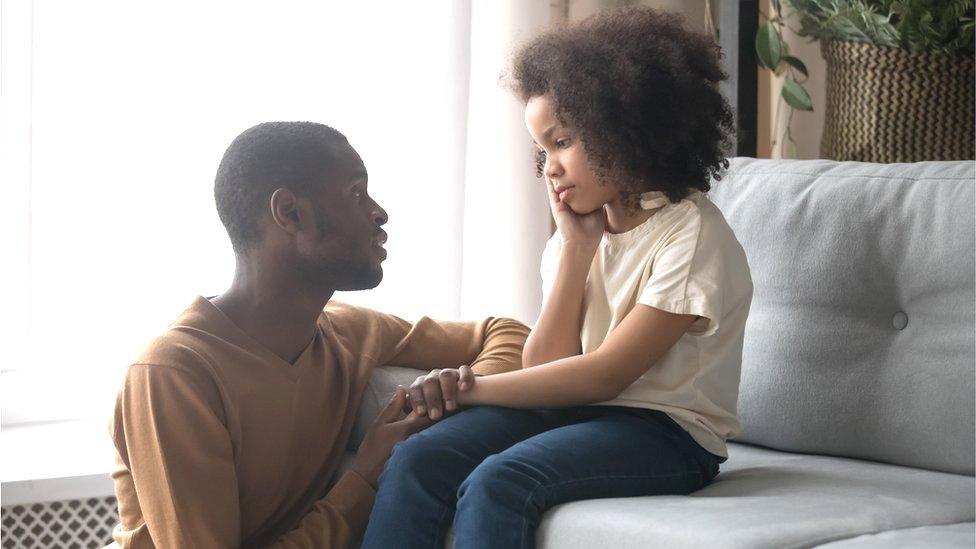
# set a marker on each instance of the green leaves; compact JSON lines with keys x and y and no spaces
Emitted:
{"x":795,"y":96}
{"x":774,"y":55}
{"x":796,"y":64}
{"x":938,"y":26}
{"x":768,"y":46}
{"x":942,"y":26}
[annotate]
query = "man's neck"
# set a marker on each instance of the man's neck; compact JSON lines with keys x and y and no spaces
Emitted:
{"x":273,"y":309}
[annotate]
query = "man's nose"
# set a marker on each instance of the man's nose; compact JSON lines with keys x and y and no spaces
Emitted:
{"x":379,"y":215}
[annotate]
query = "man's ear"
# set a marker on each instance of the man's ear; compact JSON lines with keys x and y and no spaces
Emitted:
{"x":285,"y":210}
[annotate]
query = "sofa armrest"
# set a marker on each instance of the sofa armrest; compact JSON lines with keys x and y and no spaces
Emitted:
{"x":377,"y":394}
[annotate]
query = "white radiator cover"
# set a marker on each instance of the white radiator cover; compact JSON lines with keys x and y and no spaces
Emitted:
{"x":70,"y":524}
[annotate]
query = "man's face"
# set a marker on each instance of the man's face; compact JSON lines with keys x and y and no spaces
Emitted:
{"x":346,"y":247}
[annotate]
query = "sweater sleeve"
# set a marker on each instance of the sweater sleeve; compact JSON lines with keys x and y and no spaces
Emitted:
{"x":335,"y":521}
{"x":177,"y":482}
{"x":489,"y":346}
{"x":170,"y":437}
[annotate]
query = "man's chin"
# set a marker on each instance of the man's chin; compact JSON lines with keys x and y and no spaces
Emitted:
{"x":365,"y":280}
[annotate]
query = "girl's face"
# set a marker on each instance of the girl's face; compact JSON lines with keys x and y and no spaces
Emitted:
{"x":566,"y":168}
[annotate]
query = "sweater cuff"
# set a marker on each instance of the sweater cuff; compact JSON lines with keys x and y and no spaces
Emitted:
{"x":353,"y":497}
{"x":488,"y":368}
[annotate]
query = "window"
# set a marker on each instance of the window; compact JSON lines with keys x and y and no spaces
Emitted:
{"x":115,"y":116}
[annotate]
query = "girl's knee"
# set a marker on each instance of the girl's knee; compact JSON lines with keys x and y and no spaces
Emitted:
{"x":413,"y":455}
{"x":500,"y":477}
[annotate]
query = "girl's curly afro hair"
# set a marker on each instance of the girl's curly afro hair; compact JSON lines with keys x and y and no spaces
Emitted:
{"x":642,"y":91}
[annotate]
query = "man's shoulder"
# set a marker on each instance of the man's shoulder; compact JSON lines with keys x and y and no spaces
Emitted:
{"x":345,"y":317}
{"x":180,"y":348}
{"x":362,"y":330}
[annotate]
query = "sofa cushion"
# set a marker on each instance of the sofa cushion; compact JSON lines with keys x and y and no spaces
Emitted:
{"x":382,"y":384}
{"x":946,"y":536}
{"x":765,"y":498}
{"x":860,"y":341}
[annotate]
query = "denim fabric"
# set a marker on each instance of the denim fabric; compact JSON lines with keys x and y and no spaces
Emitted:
{"x":493,"y":472}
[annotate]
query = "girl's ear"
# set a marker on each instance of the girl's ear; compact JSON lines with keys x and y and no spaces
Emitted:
{"x":285,"y":210}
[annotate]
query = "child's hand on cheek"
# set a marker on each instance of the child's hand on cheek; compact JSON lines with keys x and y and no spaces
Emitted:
{"x":584,"y":230}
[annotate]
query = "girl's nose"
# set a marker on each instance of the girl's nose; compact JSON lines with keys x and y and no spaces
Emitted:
{"x":553,"y":168}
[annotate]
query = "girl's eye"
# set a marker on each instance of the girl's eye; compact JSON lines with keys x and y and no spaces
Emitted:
{"x":562,"y":143}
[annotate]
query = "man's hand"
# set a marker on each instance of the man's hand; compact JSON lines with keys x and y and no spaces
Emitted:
{"x":386,"y":431}
{"x":434,"y":394}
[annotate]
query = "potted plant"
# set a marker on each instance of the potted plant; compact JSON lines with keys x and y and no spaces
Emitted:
{"x":899,"y":75}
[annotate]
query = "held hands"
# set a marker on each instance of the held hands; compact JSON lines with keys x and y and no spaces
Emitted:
{"x":435,"y":394}
{"x":585,"y":230}
{"x":388,"y":429}
{"x":430,"y":396}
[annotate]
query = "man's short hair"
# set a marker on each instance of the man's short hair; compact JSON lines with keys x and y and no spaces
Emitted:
{"x":266,"y":157}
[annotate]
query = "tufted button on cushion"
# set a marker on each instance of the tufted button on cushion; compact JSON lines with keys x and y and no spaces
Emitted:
{"x":899,"y":321}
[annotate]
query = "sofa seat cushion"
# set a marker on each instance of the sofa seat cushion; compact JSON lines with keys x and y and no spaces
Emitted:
{"x":943,"y":536}
{"x":766,"y":498}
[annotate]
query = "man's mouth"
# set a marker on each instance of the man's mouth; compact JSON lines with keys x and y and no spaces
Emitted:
{"x":378,"y":241}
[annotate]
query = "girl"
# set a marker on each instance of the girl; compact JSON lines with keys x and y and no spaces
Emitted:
{"x":630,"y":376}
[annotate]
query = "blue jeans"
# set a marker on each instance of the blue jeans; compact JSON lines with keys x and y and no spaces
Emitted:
{"x":492,"y":472}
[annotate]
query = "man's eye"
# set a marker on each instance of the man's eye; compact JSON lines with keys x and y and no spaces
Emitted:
{"x":358,"y":193}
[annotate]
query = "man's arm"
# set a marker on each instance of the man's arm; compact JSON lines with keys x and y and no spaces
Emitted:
{"x":340,"y":518}
{"x":172,"y":438}
{"x":490,"y":346}
{"x":464,"y":349}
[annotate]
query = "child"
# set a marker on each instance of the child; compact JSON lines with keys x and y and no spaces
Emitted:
{"x":630,"y":376}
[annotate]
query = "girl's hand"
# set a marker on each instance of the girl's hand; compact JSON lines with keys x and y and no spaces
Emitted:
{"x":584,"y":230}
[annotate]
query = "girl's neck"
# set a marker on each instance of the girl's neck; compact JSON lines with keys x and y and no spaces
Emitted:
{"x":620,"y":219}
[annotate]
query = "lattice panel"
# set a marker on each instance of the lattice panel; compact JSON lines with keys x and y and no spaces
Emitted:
{"x":73,"y":524}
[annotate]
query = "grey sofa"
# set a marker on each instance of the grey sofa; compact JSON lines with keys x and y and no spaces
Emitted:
{"x":857,"y":389}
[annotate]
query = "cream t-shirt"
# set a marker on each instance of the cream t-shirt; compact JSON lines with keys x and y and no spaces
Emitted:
{"x":684,"y":259}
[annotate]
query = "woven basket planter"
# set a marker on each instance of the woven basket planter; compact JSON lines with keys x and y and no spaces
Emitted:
{"x":892,"y":105}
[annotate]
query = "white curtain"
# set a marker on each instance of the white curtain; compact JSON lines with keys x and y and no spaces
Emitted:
{"x":130,"y":106}
{"x":506,"y":220}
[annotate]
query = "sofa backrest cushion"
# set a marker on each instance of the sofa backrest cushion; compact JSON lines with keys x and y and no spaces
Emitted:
{"x":860,"y":340}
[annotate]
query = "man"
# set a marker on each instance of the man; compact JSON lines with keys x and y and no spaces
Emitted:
{"x":230,"y":427}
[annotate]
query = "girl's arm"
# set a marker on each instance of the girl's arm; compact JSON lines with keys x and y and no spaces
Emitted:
{"x":557,"y":332}
{"x":633,"y":347}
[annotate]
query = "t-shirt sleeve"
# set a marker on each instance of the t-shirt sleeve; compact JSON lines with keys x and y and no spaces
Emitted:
{"x":685,"y":277}
{"x":547,"y":267}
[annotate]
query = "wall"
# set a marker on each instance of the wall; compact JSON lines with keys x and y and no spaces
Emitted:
{"x":806,"y":126}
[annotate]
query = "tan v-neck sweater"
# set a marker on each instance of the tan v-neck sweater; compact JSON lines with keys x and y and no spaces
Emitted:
{"x":220,"y":443}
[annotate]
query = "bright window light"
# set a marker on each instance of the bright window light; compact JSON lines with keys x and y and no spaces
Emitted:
{"x":115,"y":117}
